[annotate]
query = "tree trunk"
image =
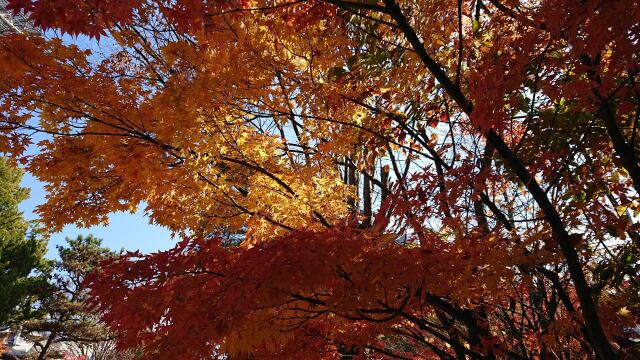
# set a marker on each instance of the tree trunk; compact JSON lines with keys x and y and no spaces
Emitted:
{"x":366,"y":202}
{"x":45,"y":349}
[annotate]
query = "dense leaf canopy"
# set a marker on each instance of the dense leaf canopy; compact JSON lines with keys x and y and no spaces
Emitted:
{"x":378,"y":179}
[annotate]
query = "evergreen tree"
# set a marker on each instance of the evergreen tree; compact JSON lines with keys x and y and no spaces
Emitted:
{"x":64,"y":315}
{"x":22,"y":251}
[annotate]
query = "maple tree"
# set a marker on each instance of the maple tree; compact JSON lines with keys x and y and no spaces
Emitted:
{"x":406,"y":179}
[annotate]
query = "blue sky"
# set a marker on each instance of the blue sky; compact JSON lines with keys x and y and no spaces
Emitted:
{"x":124,"y":231}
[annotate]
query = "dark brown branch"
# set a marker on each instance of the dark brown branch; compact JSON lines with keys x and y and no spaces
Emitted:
{"x":624,"y":151}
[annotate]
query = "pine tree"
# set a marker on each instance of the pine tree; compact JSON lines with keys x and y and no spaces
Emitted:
{"x":64,"y":315}
{"x":21,"y":249}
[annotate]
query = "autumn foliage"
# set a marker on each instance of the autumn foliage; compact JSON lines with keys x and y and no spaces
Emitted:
{"x":369,"y":179}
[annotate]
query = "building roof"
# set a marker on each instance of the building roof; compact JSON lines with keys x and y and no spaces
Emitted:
{"x":12,"y":23}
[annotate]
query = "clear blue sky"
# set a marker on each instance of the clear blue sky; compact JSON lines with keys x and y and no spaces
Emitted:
{"x":125,"y":230}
